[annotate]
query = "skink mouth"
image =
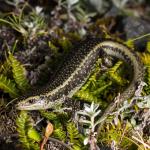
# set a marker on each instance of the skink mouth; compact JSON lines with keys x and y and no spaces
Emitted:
{"x":19,"y":107}
{"x":22,"y":106}
{"x":29,"y":107}
{"x":32,"y":103}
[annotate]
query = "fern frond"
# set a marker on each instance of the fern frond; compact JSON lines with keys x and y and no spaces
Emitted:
{"x":49,"y":115}
{"x":59,"y":133}
{"x":65,"y":43}
{"x":90,"y":97}
{"x":114,"y":75}
{"x":93,"y":78}
{"x":34,"y":135}
{"x":130,"y":43}
{"x":148,"y":47}
{"x":75,"y":138}
{"x":86,"y":95}
{"x":5,"y":68}
{"x":115,"y":67}
{"x":8,"y":86}
{"x":148,"y":75}
{"x":147,"y":79}
{"x":73,"y":133}
{"x":19,"y":73}
{"x":145,"y":58}
{"x":98,"y":85}
{"x":23,"y":127}
{"x":101,"y":89}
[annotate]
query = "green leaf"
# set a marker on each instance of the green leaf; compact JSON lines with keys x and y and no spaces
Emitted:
{"x":53,"y":47}
{"x":76,"y":147}
{"x":87,"y":96}
{"x":8,"y":86}
{"x":24,"y":127}
{"x":19,"y":73}
{"x":148,"y":47}
{"x":145,"y":58}
{"x":99,"y":90}
{"x":65,"y":44}
{"x":49,"y":115}
{"x":60,"y":134}
{"x":114,"y":75}
{"x":33,"y":134}
{"x":74,"y":136}
{"x":130,"y":43}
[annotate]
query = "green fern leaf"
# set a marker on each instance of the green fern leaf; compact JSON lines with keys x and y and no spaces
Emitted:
{"x":116,"y":66}
{"x":147,"y":79}
{"x":130,"y":43}
{"x":65,"y":43}
{"x":101,"y":89}
{"x":24,"y":127}
{"x":114,"y":75}
{"x":89,"y":97}
{"x":8,"y":86}
{"x":72,"y":132}
{"x":60,"y":134}
{"x":148,"y":47}
{"x":93,"y":78}
{"x":33,"y":134}
{"x":19,"y":73}
{"x":5,"y":68}
{"x":145,"y":58}
{"x":148,"y":74}
{"x":75,"y":138}
{"x":49,"y":115}
{"x":76,"y":147}
{"x":86,"y":95}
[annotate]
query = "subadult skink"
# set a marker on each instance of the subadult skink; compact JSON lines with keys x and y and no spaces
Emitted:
{"x":76,"y":70}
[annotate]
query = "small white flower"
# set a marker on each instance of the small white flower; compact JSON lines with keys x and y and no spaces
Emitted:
{"x":86,"y":141}
{"x":29,"y":24}
{"x":38,"y":9}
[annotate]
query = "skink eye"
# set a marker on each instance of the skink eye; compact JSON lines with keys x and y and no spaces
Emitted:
{"x":31,"y":101}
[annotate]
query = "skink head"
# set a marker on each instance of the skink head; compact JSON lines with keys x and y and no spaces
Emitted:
{"x":33,"y":103}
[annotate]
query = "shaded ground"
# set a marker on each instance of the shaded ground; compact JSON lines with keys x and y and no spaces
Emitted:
{"x":47,"y":37}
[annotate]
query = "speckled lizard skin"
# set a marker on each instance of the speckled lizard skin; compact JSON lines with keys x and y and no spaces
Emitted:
{"x":76,"y":70}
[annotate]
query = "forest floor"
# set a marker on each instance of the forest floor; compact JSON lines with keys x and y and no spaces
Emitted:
{"x":36,"y":38}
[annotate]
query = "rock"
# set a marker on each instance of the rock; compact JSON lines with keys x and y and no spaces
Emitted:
{"x":136,"y":27}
